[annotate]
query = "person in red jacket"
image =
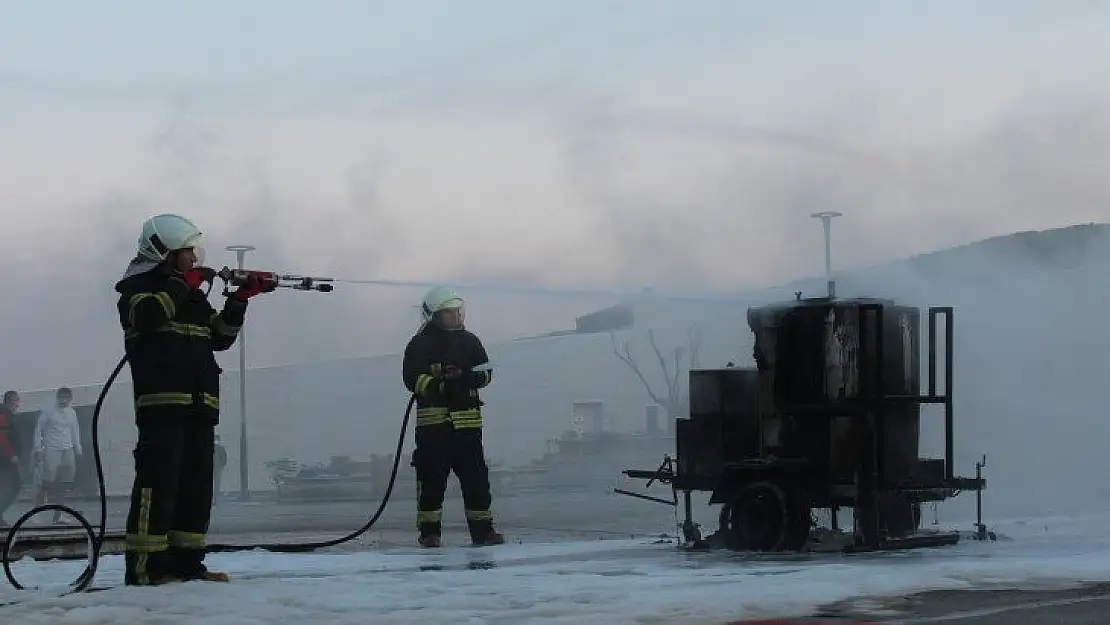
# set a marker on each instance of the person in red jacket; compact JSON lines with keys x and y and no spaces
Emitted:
{"x":10,"y":483}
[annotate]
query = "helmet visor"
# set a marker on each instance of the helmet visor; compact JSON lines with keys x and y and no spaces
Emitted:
{"x":451,"y":315}
{"x":196,"y":243}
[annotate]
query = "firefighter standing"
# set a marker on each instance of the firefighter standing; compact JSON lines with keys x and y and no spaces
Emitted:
{"x":170,"y":334}
{"x":439,"y":368}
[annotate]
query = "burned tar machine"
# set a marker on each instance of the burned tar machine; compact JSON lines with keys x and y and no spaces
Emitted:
{"x":829,"y":418}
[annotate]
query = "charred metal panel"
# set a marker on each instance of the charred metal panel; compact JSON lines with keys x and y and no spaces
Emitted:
{"x":730,"y":397}
{"x":821,"y":358}
{"x":724,"y":421}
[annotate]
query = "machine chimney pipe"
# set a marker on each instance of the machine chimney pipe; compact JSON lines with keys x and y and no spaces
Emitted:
{"x":826,"y":218}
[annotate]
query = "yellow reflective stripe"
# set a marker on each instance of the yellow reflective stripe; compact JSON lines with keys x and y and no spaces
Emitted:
{"x":164,"y":399}
{"x":145,"y":540}
{"x":422,"y":383}
{"x":163,"y":298}
{"x":432,"y":416}
{"x":461,"y":418}
{"x":188,"y":329}
{"x":173,"y":327}
{"x":141,"y":542}
{"x":479,"y":515}
{"x":174,"y":399}
{"x":221,"y":326}
{"x":429,"y":516}
{"x":187,"y":540}
{"x":137,"y":542}
{"x":145,"y":497}
{"x":145,"y":543}
{"x":467,"y":418}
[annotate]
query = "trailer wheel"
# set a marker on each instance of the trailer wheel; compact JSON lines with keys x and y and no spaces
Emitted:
{"x":764,"y":518}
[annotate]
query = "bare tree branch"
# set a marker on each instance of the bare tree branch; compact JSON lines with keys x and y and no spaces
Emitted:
{"x":670,"y":363}
{"x":674,"y":383}
{"x":662,"y":361}
{"x":628,"y":360}
{"x":695,"y":339}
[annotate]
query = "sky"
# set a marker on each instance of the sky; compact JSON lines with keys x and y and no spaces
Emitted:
{"x":610,"y":145}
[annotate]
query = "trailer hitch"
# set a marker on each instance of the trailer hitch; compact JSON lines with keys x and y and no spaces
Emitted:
{"x":664,"y":474}
{"x":621,"y":491}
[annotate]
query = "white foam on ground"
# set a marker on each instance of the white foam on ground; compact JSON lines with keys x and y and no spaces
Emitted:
{"x":611,"y":582}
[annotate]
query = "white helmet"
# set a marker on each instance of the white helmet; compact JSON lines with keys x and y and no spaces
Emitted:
{"x":443,"y":298}
{"x":165,"y":233}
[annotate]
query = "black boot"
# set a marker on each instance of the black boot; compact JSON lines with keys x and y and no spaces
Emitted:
{"x":155,"y":569}
{"x":482,"y":534}
{"x":188,"y":565}
{"x":430,"y":535}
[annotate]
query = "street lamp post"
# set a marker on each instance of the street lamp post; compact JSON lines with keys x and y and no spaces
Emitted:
{"x":826,"y":218}
{"x":244,"y":476}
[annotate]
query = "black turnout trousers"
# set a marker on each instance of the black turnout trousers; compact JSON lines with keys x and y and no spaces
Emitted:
{"x":171,"y":500}
{"x":440,"y":449}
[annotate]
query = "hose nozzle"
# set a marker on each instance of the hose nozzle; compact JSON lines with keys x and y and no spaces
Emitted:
{"x":273,"y":280}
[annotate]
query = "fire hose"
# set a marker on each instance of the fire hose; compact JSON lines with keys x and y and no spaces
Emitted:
{"x":231,"y":277}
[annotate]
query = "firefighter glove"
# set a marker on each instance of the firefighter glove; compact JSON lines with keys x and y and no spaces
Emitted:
{"x":478,"y":379}
{"x":192,"y":277}
{"x":452,"y":382}
{"x":253,"y":286}
{"x":197,"y":276}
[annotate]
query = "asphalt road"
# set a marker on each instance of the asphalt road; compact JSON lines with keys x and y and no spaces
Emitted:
{"x":577,"y":516}
{"x":1088,"y":605}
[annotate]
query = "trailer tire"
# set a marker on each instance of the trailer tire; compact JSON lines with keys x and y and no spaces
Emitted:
{"x":766,"y":517}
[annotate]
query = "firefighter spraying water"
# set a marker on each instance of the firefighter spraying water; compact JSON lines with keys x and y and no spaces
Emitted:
{"x":171,"y":334}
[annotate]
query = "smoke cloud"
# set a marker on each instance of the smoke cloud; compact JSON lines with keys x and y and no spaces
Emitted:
{"x":612,"y":197}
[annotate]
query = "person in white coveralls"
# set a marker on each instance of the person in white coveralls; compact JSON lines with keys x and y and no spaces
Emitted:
{"x":56,"y":446}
